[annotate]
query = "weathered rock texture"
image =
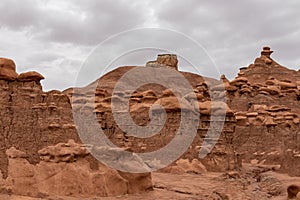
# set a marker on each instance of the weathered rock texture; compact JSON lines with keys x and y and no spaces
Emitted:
{"x":64,"y":170}
{"x":265,"y":98}
{"x":30,"y":118}
{"x":262,"y":114}
{"x":31,"y":122}
{"x":164,"y":60}
{"x":7,"y":69}
{"x":220,"y":159}
{"x":261,"y":123}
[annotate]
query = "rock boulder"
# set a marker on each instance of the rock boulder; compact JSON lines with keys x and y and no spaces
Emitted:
{"x":7,"y":69}
{"x":30,"y":76}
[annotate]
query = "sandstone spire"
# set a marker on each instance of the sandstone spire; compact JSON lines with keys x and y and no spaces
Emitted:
{"x":266,"y":52}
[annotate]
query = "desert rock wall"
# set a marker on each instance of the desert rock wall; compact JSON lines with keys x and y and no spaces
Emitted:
{"x":31,"y":119}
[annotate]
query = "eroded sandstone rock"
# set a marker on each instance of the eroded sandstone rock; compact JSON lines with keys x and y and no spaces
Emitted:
{"x":64,"y":170}
{"x":261,"y":125}
{"x":164,"y":60}
{"x":30,"y":76}
{"x":267,"y":113}
{"x":7,"y":69}
{"x":30,"y":118}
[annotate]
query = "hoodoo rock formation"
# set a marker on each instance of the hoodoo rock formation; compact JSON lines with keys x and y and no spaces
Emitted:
{"x":30,"y":118}
{"x":252,"y":119}
{"x":7,"y":69}
{"x":266,"y":105}
{"x":31,"y":123}
{"x":222,"y":157}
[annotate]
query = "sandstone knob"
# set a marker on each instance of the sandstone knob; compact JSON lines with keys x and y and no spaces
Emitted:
{"x":266,"y":50}
{"x":30,"y":76}
{"x":7,"y":69}
{"x":164,"y":60}
{"x":168,"y":59}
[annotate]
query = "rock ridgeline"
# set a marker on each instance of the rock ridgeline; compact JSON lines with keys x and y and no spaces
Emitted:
{"x":261,"y":125}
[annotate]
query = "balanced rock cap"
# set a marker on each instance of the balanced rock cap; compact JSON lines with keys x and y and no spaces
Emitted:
{"x":7,"y":69}
{"x":266,"y":51}
{"x":30,"y":76}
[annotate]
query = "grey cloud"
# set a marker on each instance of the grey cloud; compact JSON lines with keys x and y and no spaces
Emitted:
{"x":231,"y":19}
{"x":19,"y":14}
{"x":55,"y":37}
{"x":79,"y":22}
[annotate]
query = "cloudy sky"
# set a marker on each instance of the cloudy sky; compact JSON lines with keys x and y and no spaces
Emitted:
{"x":55,"y":37}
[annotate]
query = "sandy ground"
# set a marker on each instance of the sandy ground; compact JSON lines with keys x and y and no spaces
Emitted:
{"x":198,"y":186}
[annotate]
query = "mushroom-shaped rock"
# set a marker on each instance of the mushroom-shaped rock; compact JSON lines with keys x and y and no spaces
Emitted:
{"x":266,"y":55}
{"x":7,"y":69}
{"x":30,"y":76}
{"x":214,"y":108}
{"x":239,"y":81}
{"x":266,"y":51}
{"x":273,"y":90}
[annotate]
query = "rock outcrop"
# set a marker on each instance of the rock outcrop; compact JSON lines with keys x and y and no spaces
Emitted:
{"x":164,"y":60}
{"x":32,"y":121}
{"x":7,"y":69}
{"x":265,"y":67}
{"x":30,"y":118}
{"x":265,"y":102}
{"x":154,"y":100}
{"x":260,"y":111}
{"x":30,"y":76}
{"x":64,"y":170}
{"x":260,"y":117}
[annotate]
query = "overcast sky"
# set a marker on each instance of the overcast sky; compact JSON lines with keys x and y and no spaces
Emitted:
{"x":55,"y":37}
